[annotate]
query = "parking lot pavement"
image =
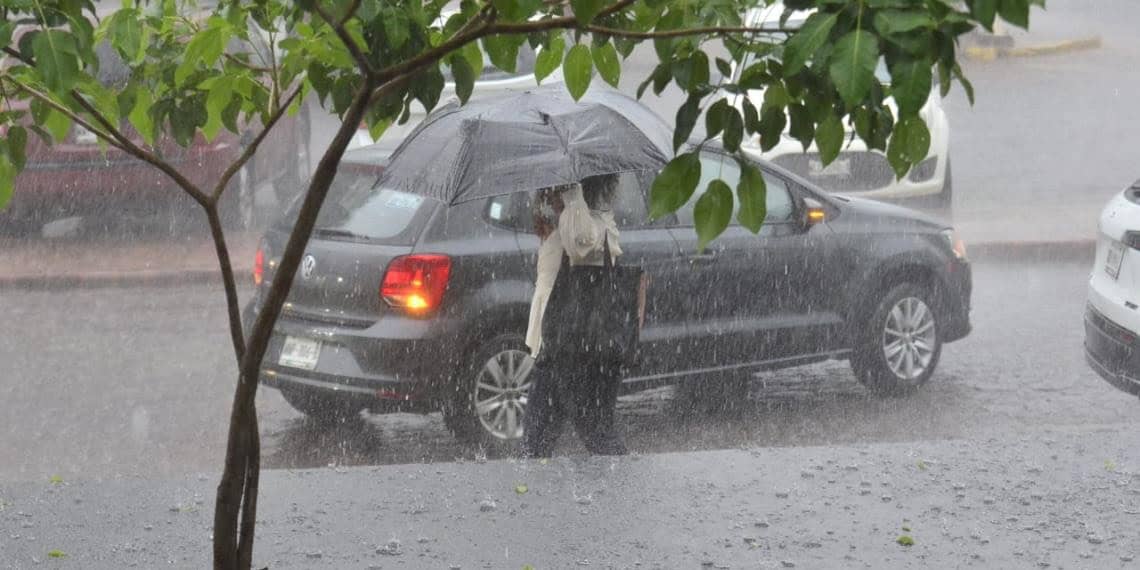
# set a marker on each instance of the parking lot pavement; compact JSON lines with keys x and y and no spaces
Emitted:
{"x":136,"y":382}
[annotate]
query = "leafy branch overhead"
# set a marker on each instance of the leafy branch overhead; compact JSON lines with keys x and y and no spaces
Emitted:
{"x":156,"y":73}
{"x":195,"y":72}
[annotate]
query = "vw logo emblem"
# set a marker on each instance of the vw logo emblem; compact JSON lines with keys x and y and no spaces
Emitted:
{"x":308,"y":264}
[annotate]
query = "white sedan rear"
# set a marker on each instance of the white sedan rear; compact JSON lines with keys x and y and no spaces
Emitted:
{"x":1112,"y":319}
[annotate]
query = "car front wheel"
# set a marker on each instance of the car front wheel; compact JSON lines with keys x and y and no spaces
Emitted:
{"x":898,"y":349}
{"x":490,"y":396}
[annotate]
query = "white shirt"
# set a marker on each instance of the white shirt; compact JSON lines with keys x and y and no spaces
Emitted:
{"x":581,"y":235}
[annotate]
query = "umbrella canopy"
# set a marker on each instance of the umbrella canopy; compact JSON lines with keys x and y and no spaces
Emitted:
{"x":526,"y":141}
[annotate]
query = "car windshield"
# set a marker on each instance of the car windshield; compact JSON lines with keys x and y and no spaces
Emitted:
{"x":356,"y":209}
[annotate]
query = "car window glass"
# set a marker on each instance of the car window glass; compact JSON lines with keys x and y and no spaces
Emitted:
{"x":517,"y":211}
{"x":355,"y":208}
{"x":717,"y":166}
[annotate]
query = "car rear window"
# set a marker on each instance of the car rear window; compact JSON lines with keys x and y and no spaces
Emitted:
{"x":355,"y":209}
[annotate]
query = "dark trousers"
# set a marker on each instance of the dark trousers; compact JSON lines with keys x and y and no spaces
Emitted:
{"x":584,"y":391}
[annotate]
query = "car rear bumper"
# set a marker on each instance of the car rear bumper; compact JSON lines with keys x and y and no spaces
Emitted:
{"x":397,"y":364}
{"x":1112,"y":351}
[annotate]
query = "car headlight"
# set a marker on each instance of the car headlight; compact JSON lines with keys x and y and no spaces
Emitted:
{"x":956,"y":244}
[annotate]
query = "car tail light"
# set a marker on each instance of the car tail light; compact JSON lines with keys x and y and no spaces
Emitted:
{"x":259,"y":266}
{"x":416,"y":282}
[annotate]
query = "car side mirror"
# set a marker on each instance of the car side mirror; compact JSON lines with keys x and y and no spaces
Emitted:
{"x":814,"y":213}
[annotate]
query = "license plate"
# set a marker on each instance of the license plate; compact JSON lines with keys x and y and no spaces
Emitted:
{"x":300,"y":353}
{"x":838,"y":167}
{"x":1114,"y":259}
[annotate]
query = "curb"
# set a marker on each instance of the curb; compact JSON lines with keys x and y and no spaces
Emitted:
{"x":1014,"y":251}
{"x":1033,"y":251}
{"x":106,"y":279}
{"x":990,"y":53}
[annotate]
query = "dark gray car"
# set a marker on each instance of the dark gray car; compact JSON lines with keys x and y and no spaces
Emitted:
{"x":403,"y":303}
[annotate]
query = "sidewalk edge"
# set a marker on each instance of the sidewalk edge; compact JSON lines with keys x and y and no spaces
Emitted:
{"x":1025,"y":251}
{"x":990,"y":53}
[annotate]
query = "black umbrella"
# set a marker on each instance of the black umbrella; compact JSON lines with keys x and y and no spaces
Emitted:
{"x":526,"y":141}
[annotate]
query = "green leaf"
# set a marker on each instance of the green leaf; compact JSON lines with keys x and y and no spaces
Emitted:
{"x":606,"y":62}
{"x":377,"y":128}
{"x":802,"y":127}
{"x":463,"y":76}
{"x":772,"y":123}
{"x":911,"y":81}
{"x":521,"y":489}
{"x":503,"y":52}
{"x":853,"y":65}
{"x":800,"y":48}
{"x":58,"y":124}
{"x":428,"y":86}
{"x":715,"y":118}
{"x":733,"y":130}
{"x":692,"y":72}
{"x":549,"y":58}
{"x":752,"y":191}
{"x":204,"y":48}
{"x":905,"y":540}
{"x":674,"y":185}
{"x":216,"y":102}
{"x":829,"y":138}
{"x":713,"y":212}
{"x":17,"y":142}
{"x":984,"y":11}
{"x":7,"y":181}
{"x":724,"y":67}
{"x":6,"y":28}
{"x":751,"y":117}
{"x":578,"y":70}
{"x":586,"y":10}
{"x":909,"y":145}
{"x":140,"y":116}
{"x":966,"y":85}
{"x":890,"y":22}
{"x":1015,"y":12}
{"x":56,"y":554}
{"x":126,"y":34}
{"x":686,"y":119}
{"x":57,"y":59}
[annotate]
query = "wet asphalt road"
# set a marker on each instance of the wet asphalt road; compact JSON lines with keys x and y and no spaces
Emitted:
{"x":137,"y":382}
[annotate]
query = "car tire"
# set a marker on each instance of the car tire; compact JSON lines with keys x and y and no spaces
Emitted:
{"x":898,"y":347}
{"x":486,"y":404}
{"x":323,"y":410}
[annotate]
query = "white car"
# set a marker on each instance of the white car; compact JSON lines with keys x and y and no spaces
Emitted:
{"x":1112,"y":318}
{"x":859,"y":171}
{"x":491,"y":82}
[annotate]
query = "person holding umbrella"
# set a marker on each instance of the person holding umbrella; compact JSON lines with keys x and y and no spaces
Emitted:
{"x":577,"y":228}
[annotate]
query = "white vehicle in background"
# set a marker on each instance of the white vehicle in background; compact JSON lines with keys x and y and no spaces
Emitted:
{"x":859,"y":171}
{"x":493,"y":81}
{"x":1112,"y":318}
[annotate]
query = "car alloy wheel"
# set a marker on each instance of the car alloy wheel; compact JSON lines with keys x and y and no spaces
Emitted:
{"x":909,"y":338}
{"x":501,"y":389}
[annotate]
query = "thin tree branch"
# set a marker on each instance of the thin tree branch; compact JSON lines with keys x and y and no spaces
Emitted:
{"x":237,"y":61}
{"x":131,"y":148}
{"x":233,"y":308}
{"x":75,"y":118}
{"x":249,"y":151}
{"x":614,"y":8}
{"x":683,"y":32}
{"x":350,"y":12}
{"x":249,"y":493}
{"x":345,"y":38}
